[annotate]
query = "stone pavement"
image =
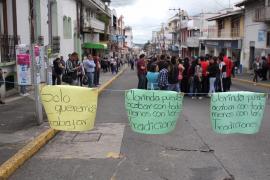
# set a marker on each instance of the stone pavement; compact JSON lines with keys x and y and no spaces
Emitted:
{"x":18,"y":125}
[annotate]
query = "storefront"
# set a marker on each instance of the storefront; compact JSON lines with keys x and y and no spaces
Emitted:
{"x":231,"y":48}
{"x":94,"y":48}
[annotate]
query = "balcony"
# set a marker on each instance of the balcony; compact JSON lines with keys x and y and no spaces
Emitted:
{"x":215,"y":33}
{"x":7,"y":48}
{"x":100,"y":4}
{"x":193,"y":41}
{"x":262,"y":14}
{"x":94,"y":25}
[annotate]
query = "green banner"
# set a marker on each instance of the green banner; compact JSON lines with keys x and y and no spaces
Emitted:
{"x":237,"y":112}
{"x":153,"y":112}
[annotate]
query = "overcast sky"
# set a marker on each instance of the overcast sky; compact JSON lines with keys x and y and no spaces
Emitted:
{"x":144,"y":16}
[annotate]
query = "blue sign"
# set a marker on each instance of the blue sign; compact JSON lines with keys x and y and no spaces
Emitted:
{"x":261,"y":36}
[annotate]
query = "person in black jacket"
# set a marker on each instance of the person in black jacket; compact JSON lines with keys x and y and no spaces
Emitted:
{"x":1,"y":83}
{"x":57,"y":71}
{"x":173,"y":76}
{"x":212,"y":74}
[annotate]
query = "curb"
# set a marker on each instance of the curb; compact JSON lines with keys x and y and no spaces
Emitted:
{"x":12,"y":164}
{"x":25,"y":153}
{"x":250,"y":82}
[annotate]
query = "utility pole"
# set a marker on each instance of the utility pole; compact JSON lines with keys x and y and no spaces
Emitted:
{"x":35,"y":67}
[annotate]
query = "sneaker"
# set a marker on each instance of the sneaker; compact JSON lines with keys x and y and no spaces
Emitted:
{"x":26,"y":94}
{"x":193,"y":97}
{"x":200,"y":98}
{"x":2,"y":102}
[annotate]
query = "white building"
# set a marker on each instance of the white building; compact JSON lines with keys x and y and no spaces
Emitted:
{"x":59,"y":25}
{"x":129,"y":37}
{"x":257,"y":30}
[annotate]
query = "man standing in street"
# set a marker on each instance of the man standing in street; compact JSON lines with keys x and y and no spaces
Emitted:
{"x":97,"y":70}
{"x":1,"y":83}
{"x":90,"y":66}
{"x":141,"y":71}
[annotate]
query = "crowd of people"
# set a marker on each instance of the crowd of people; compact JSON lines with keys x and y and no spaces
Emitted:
{"x":261,"y":67}
{"x":196,"y":77}
{"x":86,"y":72}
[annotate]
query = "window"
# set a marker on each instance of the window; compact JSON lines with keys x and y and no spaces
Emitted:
{"x":221,"y":24}
{"x":67,"y":27}
{"x":268,"y":39}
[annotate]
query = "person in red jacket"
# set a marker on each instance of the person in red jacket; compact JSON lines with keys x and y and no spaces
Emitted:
{"x":229,"y":65}
{"x":205,"y":78}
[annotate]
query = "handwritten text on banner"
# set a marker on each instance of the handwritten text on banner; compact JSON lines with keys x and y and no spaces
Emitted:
{"x":153,"y":112}
{"x":237,"y":112}
{"x":70,"y":108}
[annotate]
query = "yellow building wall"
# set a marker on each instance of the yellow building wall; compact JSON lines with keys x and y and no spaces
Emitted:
{"x":242,"y":26}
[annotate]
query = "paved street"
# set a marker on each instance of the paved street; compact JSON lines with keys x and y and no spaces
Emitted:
{"x":18,"y":125}
{"x":192,"y":152}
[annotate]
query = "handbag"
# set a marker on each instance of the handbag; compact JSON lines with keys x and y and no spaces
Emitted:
{"x":67,"y":77}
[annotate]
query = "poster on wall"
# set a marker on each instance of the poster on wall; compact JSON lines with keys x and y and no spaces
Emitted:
{"x":261,"y":36}
{"x":23,"y":61}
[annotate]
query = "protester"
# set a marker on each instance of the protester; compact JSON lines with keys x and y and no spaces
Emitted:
{"x":132,"y":63}
{"x":205,"y":78}
{"x":80,"y":72}
{"x":257,"y":69}
{"x":152,"y":77}
{"x":97,"y":70}
{"x":191,"y":73}
{"x":181,"y":69}
{"x":185,"y":80}
{"x":163,"y":82}
{"x":264,"y":68}
{"x":173,"y":76}
{"x":90,"y":66}
{"x":197,"y":83}
{"x":57,"y":71}
{"x":62,"y":61}
{"x":141,"y":72}
{"x":2,"y":81}
{"x":212,"y":73}
{"x":223,"y":73}
{"x":71,"y":67}
{"x":229,"y":67}
{"x":113,"y":65}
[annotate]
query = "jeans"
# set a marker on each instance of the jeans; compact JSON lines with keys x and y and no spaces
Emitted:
{"x":212,"y":81}
{"x":197,"y":87}
{"x":96,"y":77}
{"x":90,"y":76}
{"x":174,"y":87}
{"x":142,"y":81}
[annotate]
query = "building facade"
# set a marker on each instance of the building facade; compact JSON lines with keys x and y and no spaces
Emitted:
{"x":257,"y":30}
{"x":61,"y":26}
{"x":227,"y":35}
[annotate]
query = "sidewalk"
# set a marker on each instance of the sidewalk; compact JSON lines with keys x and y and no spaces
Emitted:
{"x":17,"y":122}
{"x":248,"y":78}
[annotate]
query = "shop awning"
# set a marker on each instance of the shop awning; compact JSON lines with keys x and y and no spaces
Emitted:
{"x":93,"y":46}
